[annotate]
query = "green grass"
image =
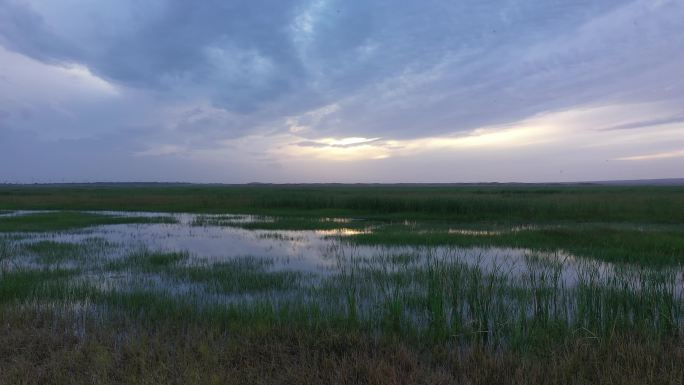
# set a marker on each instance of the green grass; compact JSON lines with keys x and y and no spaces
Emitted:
{"x":437,"y":300}
{"x":47,"y":286}
{"x":426,"y":302}
{"x":147,"y":261}
{"x":430,"y":303}
{"x":67,"y":220}
{"x":240,"y":276}
{"x":41,"y":348}
{"x":51,"y":253}
{"x":7,"y":250}
{"x":606,"y":243}
{"x":501,"y":204}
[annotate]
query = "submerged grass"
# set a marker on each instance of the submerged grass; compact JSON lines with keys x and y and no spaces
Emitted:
{"x":53,"y":249}
{"x":146,"y":261}
{"x":51,"y":253}
{"x":32,"y":286}
{"x":436,"y":300}
{"x":411,"y":317}
{"x":244,"y":275}
{"x":441,"y":322}
{"x":7,"y":251}
{"x":431,"y":295}
{"x":610,"y":244}
{"x":237,"y":276}
{"x":67,"y":220}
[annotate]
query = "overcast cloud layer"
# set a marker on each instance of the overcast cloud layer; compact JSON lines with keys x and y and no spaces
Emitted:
{"x":341,"y":90}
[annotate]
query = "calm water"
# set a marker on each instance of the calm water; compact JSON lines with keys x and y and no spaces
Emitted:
{"x":325,"y":257}
{"x":321,"y":252}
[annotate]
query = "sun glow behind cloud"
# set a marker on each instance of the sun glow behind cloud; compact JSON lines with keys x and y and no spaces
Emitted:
{"x":352,"y":149}
{"x":338,"y":149}
{"x":582,"y":128}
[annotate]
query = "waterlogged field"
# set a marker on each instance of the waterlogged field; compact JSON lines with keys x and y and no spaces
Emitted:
{"x":410,"y":294}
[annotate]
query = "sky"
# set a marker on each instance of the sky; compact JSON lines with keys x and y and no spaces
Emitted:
{"x":237,"y":91}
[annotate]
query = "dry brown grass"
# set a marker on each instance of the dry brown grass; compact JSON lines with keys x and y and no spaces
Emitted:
{"x":41,"y":349}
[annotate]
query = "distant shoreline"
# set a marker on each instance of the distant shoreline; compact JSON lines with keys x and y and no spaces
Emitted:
{"x":626,"y":182}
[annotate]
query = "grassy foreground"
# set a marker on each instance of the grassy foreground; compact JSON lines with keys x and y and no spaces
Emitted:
{"x":37,"y":349}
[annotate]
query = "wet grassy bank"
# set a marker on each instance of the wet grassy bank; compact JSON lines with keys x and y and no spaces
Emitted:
{"x":407,"y":293}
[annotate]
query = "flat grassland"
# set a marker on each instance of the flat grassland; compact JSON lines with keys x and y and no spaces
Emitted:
{"x":418,"y":287}
{"x":468,"y":203}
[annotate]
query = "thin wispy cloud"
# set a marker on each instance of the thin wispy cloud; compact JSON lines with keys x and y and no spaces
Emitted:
{"x":656,"y":156}
{"x":647,"y":123}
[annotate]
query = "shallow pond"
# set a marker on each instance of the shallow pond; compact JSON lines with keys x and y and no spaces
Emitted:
{"x":321,"y":252}
{"x":212,"y":260}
